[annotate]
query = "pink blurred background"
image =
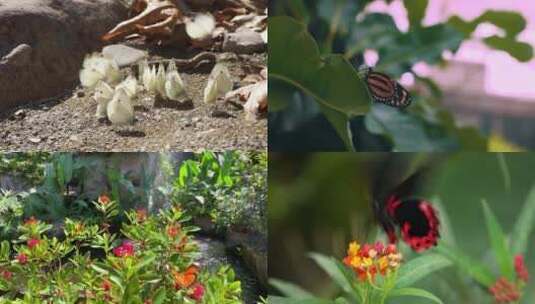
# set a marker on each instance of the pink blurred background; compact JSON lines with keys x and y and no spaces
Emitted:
{"x":482,"y":86}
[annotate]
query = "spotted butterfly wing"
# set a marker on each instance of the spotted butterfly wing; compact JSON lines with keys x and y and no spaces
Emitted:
{"x":413,"y":218}
{"x":386,"y":90}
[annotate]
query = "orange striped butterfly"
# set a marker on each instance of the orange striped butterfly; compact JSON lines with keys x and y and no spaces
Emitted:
{"x":186,"y":278}
{"x":386,"y":90}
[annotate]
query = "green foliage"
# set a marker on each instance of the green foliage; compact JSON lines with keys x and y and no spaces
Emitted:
{"x":229,"y":187}
{"x":315,"y":48}
{"x":355,"y":291}
{"x":156,"y":264}
{"x":27,"y":165}
{"x":54,"y":198}
{"x":502,"y":250}
{"x":11,"y":210}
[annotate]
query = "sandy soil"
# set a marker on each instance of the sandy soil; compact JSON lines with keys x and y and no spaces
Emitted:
{"x":69,"y":123}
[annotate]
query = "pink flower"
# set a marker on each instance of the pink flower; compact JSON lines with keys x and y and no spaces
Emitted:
{"x":33,"y":242}
{"x":520,"y":268}
{"x":22,"y":258}
{"x":197,"y":292}
{"x":126,"y":249}
{"x":6,"y":274}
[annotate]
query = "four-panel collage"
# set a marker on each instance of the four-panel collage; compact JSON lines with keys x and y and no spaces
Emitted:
{"x":140,"y":162}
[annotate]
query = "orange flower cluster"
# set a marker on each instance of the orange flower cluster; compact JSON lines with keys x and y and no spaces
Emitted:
{"x":368,"y":260}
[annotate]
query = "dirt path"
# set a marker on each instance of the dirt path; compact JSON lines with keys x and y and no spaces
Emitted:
{"x":69,"y":124}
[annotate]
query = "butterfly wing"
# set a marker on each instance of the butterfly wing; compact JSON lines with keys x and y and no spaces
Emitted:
{"x":381,"y":87}
{"x":396,"y":207}
{"x":386,"y":90}
{"x":417,"y":220}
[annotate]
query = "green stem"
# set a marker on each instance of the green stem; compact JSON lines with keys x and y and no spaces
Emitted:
{"x":337,"y":16}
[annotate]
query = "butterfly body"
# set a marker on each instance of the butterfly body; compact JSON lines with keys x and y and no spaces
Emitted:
{"x":386,"y":90}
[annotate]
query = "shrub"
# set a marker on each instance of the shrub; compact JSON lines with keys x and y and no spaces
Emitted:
{"x":149,"y":259}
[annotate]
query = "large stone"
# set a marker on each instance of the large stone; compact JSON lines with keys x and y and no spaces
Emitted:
{"x":43,"y":43}
{"x":124,"y":55}
{"x":245,"y":41}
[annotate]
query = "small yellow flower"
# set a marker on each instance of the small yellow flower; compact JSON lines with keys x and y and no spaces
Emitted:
{"x":353,"y":249}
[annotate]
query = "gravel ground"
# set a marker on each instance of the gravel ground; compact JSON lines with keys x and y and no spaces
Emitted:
{"x":69,"y":124}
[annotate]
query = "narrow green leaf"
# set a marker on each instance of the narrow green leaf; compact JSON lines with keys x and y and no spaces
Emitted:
{"x":330,"y":266}
{"x":524,"y":225}
{"x":498,"y":242}
{"x":290,"y":290}
{"x":281,"y":300}
{"x":447,"y":235}
{"x":505,"y":171}
{"x":415,"y":292}
{"x":416,"y":11}
{"x":475,"y":269}
{"x":160,"y":296}
{"x":420,"y":267}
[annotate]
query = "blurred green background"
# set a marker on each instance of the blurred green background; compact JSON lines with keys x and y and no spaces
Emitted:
{"x":319,"y":202}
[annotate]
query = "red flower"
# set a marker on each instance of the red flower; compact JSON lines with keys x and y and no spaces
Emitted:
{"x":106,"y":285}
{"x":33,"y":242}
{"x":172,"y":231}
{"x":504,"y":291}
{"x":197,"y":292}
{"x":391,"y":248}
{"x":126,"y":249}
{"x":520,"y":267}
{"x":103,"y":199}
{"x":6,"y":274}
{"x":22,"y":258}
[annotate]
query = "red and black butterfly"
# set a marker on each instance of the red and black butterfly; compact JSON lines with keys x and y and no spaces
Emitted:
{"x":386,"y":90}
{"x":415,"y":218}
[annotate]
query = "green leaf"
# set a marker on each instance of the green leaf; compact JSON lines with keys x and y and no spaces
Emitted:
{"x":294,"y":58}
{"x":340,"y":123}
{"x":498,"y":242}
{"x":475,"y":269}
{"x":330,"y":266}
{"x":511,"y":22}
{"x":416,"y":11}
{"x":415,"y":292}
{"x":290,"y":290}
{"x":406,"y":131}
{"x":420,"y":267}
{"x":423,"y":44}
{"x":160,"y":296}
{"x":521,"y":51}
{"x":373,"y":32}
{"x":524,"y":225}
{"x":447,"y":234}
{"x":281,"y":300}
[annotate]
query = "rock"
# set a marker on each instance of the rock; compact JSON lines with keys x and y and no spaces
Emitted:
{"x":253,"y":247}
{"x":123,"y":55}
{"x":43,"y":44}
{"x":34,"y":140}
{"x":245,"y":41}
